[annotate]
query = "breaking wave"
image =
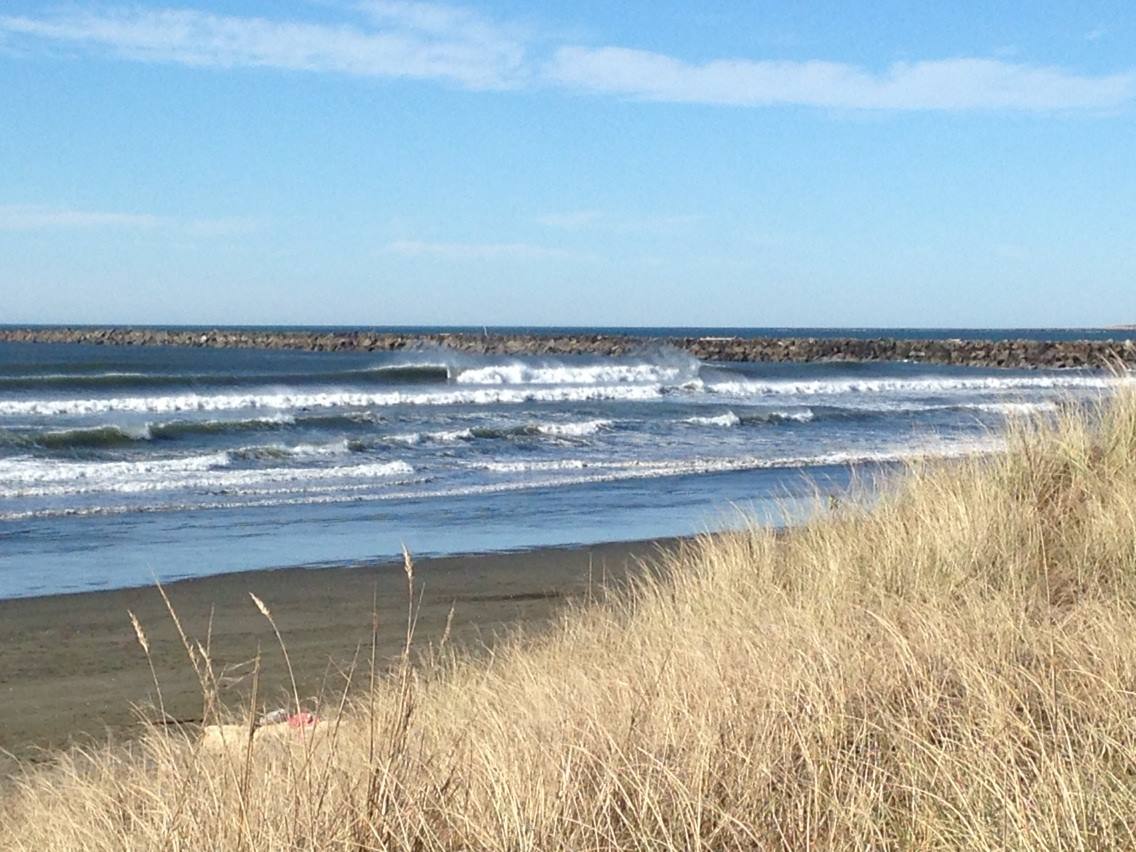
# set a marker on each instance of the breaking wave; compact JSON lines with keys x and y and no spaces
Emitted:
{"x":579,"y":429}
{"x":92,"y":437}
{"x":523,"y":373}
{"x":294,"y":451}
{"x":727,"y":419}
{"x":110,"y":436}
{"x":521,"y":384}
{"x":591,"y":473}
{"x":210,"y":473}
{"x":180,"y":428}
{"x":605,"y":470}
{"x":927,"y":387}
{"x":572,"y":429}
{"x":328,"y":399}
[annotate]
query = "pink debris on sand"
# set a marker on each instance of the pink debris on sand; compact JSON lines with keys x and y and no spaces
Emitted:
{"x":302,"y":720}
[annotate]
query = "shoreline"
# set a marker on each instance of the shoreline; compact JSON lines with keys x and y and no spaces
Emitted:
{"x":1017,"y":354}
{"x":71,"y":669}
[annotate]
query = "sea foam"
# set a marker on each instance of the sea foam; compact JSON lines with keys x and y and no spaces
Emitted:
{"x":519,"y":373}
{"x":928,"y":386}
{"x":30,"y":477}
{"x":283,"y":401}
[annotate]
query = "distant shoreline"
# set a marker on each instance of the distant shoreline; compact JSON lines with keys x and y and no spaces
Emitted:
{"x":1003,"y":353}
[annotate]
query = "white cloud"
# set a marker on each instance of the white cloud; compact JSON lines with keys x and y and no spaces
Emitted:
{"x":33,"y":216}
{"x":411,"y":40}
{"x":28,"y":217}
{"x":478,"y":251}
{"x":407,"y":39}
{"x":948,"y":84}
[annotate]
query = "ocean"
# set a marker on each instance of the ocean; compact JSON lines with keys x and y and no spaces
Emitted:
{"x":122,"y":465}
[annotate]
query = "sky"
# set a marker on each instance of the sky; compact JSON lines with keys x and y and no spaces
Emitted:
{"x":387,"y":162}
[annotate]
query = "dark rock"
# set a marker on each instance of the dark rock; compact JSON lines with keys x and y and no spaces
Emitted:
{"x":979,"y":353}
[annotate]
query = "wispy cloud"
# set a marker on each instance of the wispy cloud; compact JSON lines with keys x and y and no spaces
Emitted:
{"x":33,"y":216}
{"x":478,"y":251}
{"x":433,"y":41}
{"x":948,"y":84}
{"x":29,"y":217}
{"x":392,"y":39}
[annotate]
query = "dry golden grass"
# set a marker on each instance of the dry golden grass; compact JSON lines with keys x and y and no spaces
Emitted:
{"x":953,"y":668}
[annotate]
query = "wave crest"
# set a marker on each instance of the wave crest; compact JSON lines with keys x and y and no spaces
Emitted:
{"x":329,"y":399}
{"x":928,"y":386}
{"x":521,"y":373}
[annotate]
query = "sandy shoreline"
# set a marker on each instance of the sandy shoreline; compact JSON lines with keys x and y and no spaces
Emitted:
{"x":71,"y":668}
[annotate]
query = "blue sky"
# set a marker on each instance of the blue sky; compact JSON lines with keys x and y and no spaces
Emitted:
{"x":381,"y":162}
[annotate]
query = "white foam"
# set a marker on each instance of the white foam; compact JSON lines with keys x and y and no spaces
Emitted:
{"x":556,"y":389}
{"x":531,"y":466}
{"x":580,"y":429}
{"x":647,"y":468}
{"x":596,"y":472}
{"x":728,"y":419}
{"x":804,"y":416}
{"x":316,"y":493}
{"x":55,"y":377}
{"x":27,"y":477}
{"x":406,"y":365}
{"x":450,"y":436}
{"x":295,"y":451}
{"x":901,"y":407}
{"x":25,"y":469}
{"x":446,"y":436}
{"x":931,"y":386}
{"x":328,"y":399}
{"x":407,"y":438}
{"x":316,"y":451}
{"x":521,"y":373}
{"x":134,"y":433}
{"x":1011,"y":408}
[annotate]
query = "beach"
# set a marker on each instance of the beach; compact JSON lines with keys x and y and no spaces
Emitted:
{"x":950,"y":667}
{"x":215,"y":470}
{"x":440,"y":426}
{"x":72,"y":670}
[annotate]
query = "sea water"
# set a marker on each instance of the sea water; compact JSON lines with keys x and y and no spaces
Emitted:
{"x":121,"y":465}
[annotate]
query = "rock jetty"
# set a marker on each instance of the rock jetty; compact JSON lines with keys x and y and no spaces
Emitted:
{"x":976,"y":353}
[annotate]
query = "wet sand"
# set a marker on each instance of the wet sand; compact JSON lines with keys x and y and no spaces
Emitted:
{"x":71,"y":669}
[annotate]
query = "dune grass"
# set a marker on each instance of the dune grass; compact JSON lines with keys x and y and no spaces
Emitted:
{"x":953,"y":667}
